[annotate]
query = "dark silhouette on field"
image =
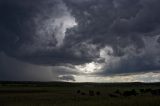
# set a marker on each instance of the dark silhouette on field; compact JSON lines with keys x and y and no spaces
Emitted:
{"x":78,"y":91}
{"x":130,"y":93}
{"x":91,"y":92}
{"x":98,"y":93}
{"x":113,"y":95}
{"x":142,"y":90}
{"x":118,"y":92}
{"x":83,"y":93}
{"x":155,"y":92}
{"x":148,"y":90}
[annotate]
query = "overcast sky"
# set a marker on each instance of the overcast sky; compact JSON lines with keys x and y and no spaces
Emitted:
{"x":80,"y":40}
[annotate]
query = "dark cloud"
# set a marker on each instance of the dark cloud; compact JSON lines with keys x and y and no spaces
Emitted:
{"x":128,"y":27}
{"x":120,"y":35}
{"x":33,"y":31}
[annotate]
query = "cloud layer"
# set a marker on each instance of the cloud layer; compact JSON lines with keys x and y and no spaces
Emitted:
{"x":104,"y":37}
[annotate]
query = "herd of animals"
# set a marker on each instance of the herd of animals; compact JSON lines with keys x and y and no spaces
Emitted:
{"x":118,"y":93}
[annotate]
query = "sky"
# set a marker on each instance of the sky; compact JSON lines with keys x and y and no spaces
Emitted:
{"x":80,"y":40}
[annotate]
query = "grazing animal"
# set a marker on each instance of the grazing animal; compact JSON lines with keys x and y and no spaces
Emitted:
{"x":142,"y":90}
{"x":130,"y":93}
{"x":98,"y":93}
{"x":148,"y":90}
{"x":91,"y":93}
{"x":113,"y":95}
{"x":118,"y":92}
{"x":78,"y":91}
{"x":155,"y":92}
{"x":83,"y":93}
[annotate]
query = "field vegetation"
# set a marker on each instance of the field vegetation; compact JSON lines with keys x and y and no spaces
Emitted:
{"x":79,"y":94}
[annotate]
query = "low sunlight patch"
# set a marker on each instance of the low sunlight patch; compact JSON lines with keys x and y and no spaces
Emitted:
{"x":89,"y":67}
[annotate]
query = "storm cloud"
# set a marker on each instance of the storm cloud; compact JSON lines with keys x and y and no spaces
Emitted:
{"x":101,"y":37}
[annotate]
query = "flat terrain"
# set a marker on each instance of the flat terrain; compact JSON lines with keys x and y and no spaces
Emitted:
{"x":79,"y":94}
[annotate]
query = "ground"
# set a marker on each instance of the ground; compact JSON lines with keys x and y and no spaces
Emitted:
{"x":77,"y":94}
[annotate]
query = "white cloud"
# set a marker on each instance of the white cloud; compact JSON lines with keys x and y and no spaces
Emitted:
{"x":89,"y":67}
{"x":147,"y":77}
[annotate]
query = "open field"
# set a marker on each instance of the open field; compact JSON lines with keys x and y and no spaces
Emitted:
{"x":79,"y":94}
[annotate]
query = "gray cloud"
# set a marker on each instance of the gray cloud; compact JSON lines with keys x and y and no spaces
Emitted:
{"x":130,"y":28}
{"x":67,"y":78}
{"x":13,"y":70}
{"x":121,"y":36}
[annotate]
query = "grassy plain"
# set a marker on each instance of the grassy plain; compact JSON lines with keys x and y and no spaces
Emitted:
{"x":65,"y":94}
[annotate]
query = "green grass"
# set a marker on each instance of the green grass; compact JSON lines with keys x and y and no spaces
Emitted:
{"x":61,"y":94}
